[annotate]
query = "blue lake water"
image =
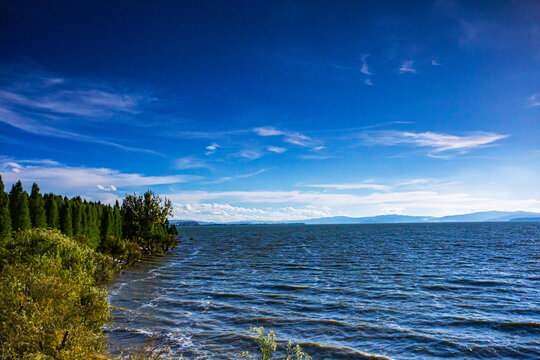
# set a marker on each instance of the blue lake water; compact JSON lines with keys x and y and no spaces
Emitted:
{"x":407,"y":291}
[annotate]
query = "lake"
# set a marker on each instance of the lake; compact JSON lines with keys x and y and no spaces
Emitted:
{"x":404,"y":291}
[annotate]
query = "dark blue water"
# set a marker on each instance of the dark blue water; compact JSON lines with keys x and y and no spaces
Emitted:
{"x":413,"y":291}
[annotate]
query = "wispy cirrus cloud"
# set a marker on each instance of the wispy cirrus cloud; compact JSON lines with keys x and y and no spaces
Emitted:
{"x":190,"y":162}
{"x":25,"y":123}
{"x":352,"y":186}
{"x":534,"y":100}
{"x":440,"y":143}
{"x":407,"y":67}
{"x":210,"y":149}
{"x":291,"y":137}
{"x":365,"y":68}
{"x":47,"y":105}
{"x":236,"y":177}
{"x":275,"y":149}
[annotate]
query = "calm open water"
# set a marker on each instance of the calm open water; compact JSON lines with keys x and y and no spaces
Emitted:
{"x":407,"y":291}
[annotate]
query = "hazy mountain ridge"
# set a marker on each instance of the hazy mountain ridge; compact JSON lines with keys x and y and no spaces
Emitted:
{"x":486,"y":216}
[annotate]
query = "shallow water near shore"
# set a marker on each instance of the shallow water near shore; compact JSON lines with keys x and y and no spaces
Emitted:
{"x":404,"y":291}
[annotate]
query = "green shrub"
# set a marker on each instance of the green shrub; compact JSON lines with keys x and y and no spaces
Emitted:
{"x":268,"y":346}
{"x":51,"y":305}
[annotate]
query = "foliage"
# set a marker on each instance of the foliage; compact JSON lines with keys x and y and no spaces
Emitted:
{"x":18,"y":203}
{"x":37,"y":208}
{"x":268,"y":346}
{"x":126,"y":232}
{"x":51,"y":305}
{"x":144,"y":221}
{"x":5,"y":216}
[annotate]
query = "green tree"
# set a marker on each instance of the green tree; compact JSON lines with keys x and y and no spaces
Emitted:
{"x":77,"y":216}
{"x":66,"y":224}
{"x":36,"y":204}
{"x":143,"y":219}
{"x":18,"y":203}
{"x":51,"y":207}
{"x":5,"y":216}
{"x":106,"y":223}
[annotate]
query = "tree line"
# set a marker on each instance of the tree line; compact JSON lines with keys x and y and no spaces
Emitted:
{"x":126,"y":232}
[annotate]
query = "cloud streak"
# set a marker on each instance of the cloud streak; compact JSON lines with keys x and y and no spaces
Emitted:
{"x":290,"y":137}
{"x":39,"y":103}
{"x":534,"y":100}
{"x":440,"y":143}
{"x":407,"y":67}
{"x":365,"y":69}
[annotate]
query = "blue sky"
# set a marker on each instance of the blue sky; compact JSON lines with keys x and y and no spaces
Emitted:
{"x":276,"y":110}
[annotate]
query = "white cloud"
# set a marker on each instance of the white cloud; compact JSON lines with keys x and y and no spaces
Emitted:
{"x":218,"y":212}
{"x":352,"y":186}
{"x":435,"y":63}
{"x":236,"y":177}
{"x":62,"y":178}
{"x":439,"y":142}
{"x":268,"y":131}
{"x":250,"y":154}
{"x":365,"y":69}
{"x":291,"y":137}
{"x":212,"y":148}
{"x":409,"y":202}
{"x":33,"y":120}
{"x":105,"y":188}
{"x":534,"y":100}
{"x":368,"y":82}
{"x":407,"y":66}
{"x":276,"y":149}
{"x":190,"y":162}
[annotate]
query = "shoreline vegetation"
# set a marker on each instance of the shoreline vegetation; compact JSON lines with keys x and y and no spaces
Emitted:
{"x":54,"y":254}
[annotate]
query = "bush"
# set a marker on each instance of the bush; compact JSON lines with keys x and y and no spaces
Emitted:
{"x":51,"y":305}
{"x":268,"y":347}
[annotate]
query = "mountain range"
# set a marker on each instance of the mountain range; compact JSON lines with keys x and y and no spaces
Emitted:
{"x":486,"y":216}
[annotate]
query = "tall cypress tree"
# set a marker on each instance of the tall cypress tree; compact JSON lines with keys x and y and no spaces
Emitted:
{"x":66,"y":223}
{"x":18,"y":203}
{"x":117,"y":220}
{"x":77,"y":210}
{"x":106,"y":223}
{"x":37,"y":208}
{"x":5,"y":216}
{"x":53,"y":216}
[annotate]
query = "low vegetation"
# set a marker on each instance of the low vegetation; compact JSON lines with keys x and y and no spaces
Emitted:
{"x":55,"y":251}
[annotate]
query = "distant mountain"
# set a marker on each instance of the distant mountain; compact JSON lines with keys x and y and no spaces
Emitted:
{"x":533,"y":219}
{"x":379,"y":219}
{"x":486,"y":216}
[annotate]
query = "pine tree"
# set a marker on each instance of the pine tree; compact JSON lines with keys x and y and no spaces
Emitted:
{"x":5,"y":216}
{"x":51,"y":207}
{"x":66,"y":224}
{"x":77,"y":209}
{"x":18,"y":203}
{"x":37,"y":208}
{"x":106,"y":223}
{"x":117,"y":220}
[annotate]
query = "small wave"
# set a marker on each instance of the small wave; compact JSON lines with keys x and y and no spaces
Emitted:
{"x":303,"y":268}
{"x":508,"y":326}
{"x":287,"y":287}
{"x":344,"y":352}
